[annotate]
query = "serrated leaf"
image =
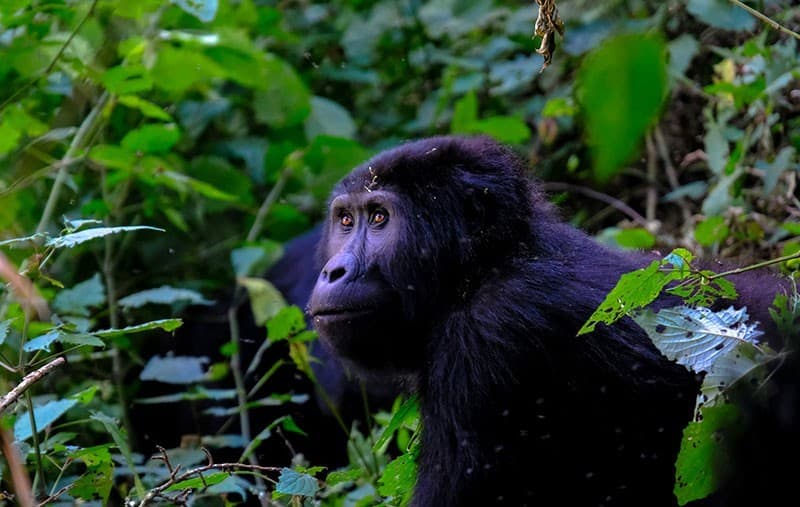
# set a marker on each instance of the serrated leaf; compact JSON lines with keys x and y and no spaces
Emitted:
{"x":176,"y":369}
{"x":81,"y":297}
{"x":399,"y":476}
{"x":288,"y":322}
{"x":45,"y":415}
{"x":95,"y":483}
{"x":638,"y":289}
{"x":164,"y":295}
{"x":113,"y":428}
{"x":695,"y":476}
{"x":291,"y":482}
{"x":697,"y":337}
{"x":711,"y":230}
{"x":742,"y":364}
{"x":76,"y":238}
{"x":168,"y":325}
{"x":265,"y":300}
{"x":338,"y":476}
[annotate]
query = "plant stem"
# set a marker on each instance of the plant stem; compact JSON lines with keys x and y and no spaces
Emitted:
{"x":273,"y":195}
{"x":763,"y":17}
{"x":758,"y":265}
{"x":77,"y":143}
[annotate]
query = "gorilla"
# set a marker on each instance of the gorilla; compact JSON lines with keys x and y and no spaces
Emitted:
{"x":445,"y":268}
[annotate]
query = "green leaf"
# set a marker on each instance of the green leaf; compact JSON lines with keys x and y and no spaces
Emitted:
{"x":621,"y":87}
{"x":559,"y":106}
{"x":711,"y":230}
{"x":721,"y":14}
{"x":682,"y":51}
{"x":175,"y":369}
{"x":295,"y":483}
{"x":697,"y":337}
{"x":506,"y":129}
{"x":265,"y":300}
{"x":95,"y":483}
{"x":45,"y":415}
{"x":329,"y":118}
{"x":90,"y":293}
{"x":167,"y":325}
{"x":339,"y":476}
{"x":145,"y":107}
{"x":113,"y":156}
{"x":164,"y":295}
{"x":115,"y":429}
{"x":288,"y":322}
{"x":695,"y":468}
{"x":76,"y":238}
{"x":178,"y":69}
{"x":640,"y":288}
{"x":465,"y":113}
{"x":199,"y":482}
{"x":407,"y":413}
{"x":399,"y":477}
{"x":255,"y":259}
{"x":285,"y":101}
{"x":204,"y":10}
{"x":152,"y":139}
{"x":637,"y":238}
{"x":124,"y":80}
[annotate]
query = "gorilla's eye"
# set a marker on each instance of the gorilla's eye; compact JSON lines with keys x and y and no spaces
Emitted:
{"x":379,"y":217}
{"x":346,"y":220}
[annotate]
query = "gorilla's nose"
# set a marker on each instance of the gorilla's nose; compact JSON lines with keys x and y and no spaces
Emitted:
{"x":341,"y":266}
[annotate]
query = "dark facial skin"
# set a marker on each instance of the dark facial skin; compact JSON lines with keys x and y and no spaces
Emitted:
{"x":353,"y":306}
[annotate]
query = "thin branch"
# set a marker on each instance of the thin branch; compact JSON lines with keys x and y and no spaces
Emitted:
{"x":269,"y":201}
{"x":30,"y":379}
{"x":77,"y":143}
{"x":763,"y":17}
{"x":552,"y":186}
{"x":758,"y":265}
{"x":175,"y":478}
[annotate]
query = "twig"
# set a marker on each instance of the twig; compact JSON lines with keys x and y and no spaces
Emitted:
{"x":77,"y":142}
{"x":652,"y":193}
{"x":758,"y":265}
{"x":553,"y":186}
{"x":269,"y":201}
{"x":763,"y":17}
{"x":19,"y":474}
{"x":30,"y":379}
{"x":175,"y":478}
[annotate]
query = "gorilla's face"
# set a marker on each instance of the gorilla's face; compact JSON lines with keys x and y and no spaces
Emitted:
{"x":354,"y":306}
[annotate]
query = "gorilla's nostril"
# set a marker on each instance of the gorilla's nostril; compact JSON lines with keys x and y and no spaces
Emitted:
{"x":335,"y":274}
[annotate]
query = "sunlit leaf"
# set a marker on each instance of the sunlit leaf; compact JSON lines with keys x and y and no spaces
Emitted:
{"x":697,"y":337}
{"x":167,"y":325}
{"x":164,"y":295}
{"x":204,"y":10}
{"x":76,"y":238}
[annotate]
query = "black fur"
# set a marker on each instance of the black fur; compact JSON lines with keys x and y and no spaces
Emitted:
{"x":472,"y":292}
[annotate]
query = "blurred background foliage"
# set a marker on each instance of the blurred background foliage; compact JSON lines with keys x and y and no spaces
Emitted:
{"x":657,"y":124}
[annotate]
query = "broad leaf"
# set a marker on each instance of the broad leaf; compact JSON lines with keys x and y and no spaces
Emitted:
{"x":76,"y":238}
{"x":165,"y":324}
{"x":77,"y":300}
{"x":164,"y":295}
{"x":265,"y":300}
{"x":697,"y":337}
{"x":44,"y":415}
{"x":176,"y":369}
{"x":291,"y":482}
